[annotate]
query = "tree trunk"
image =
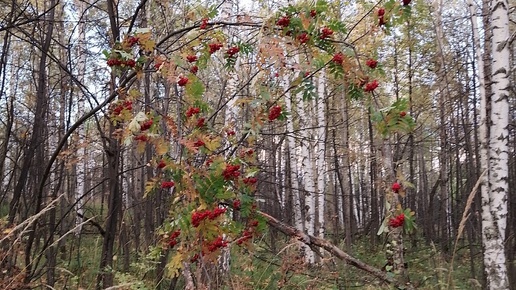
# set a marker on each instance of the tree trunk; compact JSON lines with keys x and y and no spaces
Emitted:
{"x":306,"y":172}
{"x":294,"y":181}
{"x":494,"y":201}
{"x":112,"y":150}
{"x":320,"y":149}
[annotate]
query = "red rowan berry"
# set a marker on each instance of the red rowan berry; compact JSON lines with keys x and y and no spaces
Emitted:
{"x":182,"y":81}
{"x":372,"y":63}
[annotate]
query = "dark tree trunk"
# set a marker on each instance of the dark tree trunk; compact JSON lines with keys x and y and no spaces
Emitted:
{"x":112,"y":150}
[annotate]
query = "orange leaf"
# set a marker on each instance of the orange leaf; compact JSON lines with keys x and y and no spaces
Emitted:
{"x":189,"y":144}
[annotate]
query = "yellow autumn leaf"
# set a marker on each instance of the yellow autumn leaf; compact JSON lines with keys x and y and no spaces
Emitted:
{"x":161,"y":147}
{"x":140,"y":147}
{"x":146,"y":41}
{"x":175,"y":265}
{"x":213,"y":144}
{"x":150,"y":185}
{"x":305,"y":21}
{"x":134,"y":94}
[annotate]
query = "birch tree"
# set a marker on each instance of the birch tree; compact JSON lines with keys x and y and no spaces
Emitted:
{"x":320,"y":149}
{"x":494,"y":198}
{"x":81,"y":152}
{"x":306,"y":172}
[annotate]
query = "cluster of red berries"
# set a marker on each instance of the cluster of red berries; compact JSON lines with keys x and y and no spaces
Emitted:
{"x":199,"y":216}
{"x":396,"y":187}
{"x":325,"y":33}
{"x":397,"y":221}
{"x":146,"y":125}
{"x":199,"y":143}
{"x":192,"y":111}
{"x":230,"y":133}
{"x":274,"y":113}
{"x":182,"y":81}
{"x":114,"y":61}
{"x":248,"y":233}
{"x":231,"y":171}
{"x":250,"y":180}
{"x":204,"y":23}
{"x":338,"y":58}
{"x":406,"y":2}
{"x":232,"y":51}
{"x":130,"y":63}
{"x":283,"y":21}
{"x":236,"y":204}
{"x":313,"y":13}
{"x":372,"y":63}
{"x":403,"y":114}
{"x":125,"y":105}
{"x":303,"y":37}
{"x":173,"y":238}
{"x":200,"y":123}
{"x":162,"y":164}
{"x":210,"y":247}
{"x":167,"y":184}
{"x":194,"y":69}
{"x":131,"y":41}
{"x":142,"y":138}
{"x":117,"y":62}
{"x":191,"y":58}
{"x":214,"y":47}
{"x":216,"y":244}
{"x":381,"y":14}
{"x":371,"y":86}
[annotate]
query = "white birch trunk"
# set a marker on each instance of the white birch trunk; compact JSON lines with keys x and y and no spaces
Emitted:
{"x":232,"y":111}
{"x":321,"y":153}
{"x":340,"y":209}
{"x":306,"y":172}
{"x":280,"y":174}
{"x":494,"y":204}
{"x":81,"y":152}
{"x":345,"y":200}
{"x":294,"y":169}
{"x":291,"y":143}
{"x":487,"y":219}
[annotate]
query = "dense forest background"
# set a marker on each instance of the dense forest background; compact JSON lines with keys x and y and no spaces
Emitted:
{"x":257,"y":145}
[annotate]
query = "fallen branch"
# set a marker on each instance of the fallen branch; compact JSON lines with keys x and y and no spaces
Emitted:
{"x":334,"y":250}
